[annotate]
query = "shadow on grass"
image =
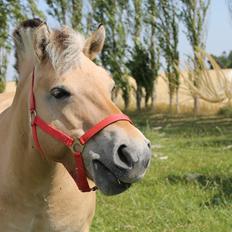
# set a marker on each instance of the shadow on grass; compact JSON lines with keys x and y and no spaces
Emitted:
{"x":202,"y":125}
{"x":222,"y":184}
{"x":222,"y":142}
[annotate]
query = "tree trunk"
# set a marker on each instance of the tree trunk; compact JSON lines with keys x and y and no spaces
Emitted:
{"x":230,"y":102}
{"x":153,"y":97}
{"x":126,"y":101}
{"x":2,"y":85}
{"x":196,"y":106}
{"x":138,"y":98}
{"x":147,"y":96}
{"x":177,"y":101}
{"x":170,"y":103}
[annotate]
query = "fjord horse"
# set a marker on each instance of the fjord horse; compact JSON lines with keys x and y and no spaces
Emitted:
{"x":62,"y":132}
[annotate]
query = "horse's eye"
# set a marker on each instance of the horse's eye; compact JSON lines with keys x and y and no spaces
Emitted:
{"x":59,"y":93}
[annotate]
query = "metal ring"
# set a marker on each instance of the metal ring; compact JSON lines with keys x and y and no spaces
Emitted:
{"x":32,"y":116}
{"x":77,"y":146}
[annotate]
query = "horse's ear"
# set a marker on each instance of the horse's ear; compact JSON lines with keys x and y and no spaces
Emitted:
{"x":40,"y":41}
{"x":94,"y":43}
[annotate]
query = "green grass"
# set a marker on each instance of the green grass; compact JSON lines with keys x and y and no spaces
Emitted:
{"x":190,"y":191}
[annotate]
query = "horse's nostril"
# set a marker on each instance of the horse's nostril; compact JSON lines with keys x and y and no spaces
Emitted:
{"x":146,"y":163}
{"x":124,"y":160}
{"x":148,"y":143}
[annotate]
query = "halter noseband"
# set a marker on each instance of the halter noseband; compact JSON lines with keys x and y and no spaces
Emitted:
{"x":75,"y":144}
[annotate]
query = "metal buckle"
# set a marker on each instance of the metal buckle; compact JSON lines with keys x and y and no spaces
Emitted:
{"x":77,"y":146}
{"x":32,"y":117}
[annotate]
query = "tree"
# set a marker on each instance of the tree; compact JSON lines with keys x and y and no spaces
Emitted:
{"x":194,"y":14}
{"x":32,"y":9}
{"x":224,"y":60}
{"x":3,"y":69}
{"x":214,"y":86}
{"x":11,"y":13}
{"x":144,"y":62}
{"x":151,"y":21}
{"x":133,"y":64}
{"x":113,"y":14}
{"x":141,"y":70}
{"x":167,"y":27}
{"x":67,"y":12}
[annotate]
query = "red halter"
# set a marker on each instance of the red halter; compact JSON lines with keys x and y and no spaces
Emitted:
{"x":73,"y":143}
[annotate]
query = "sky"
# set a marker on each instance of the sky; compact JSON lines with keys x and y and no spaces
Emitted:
{"x":219,"y":30}
{"x":218,"y":34}
{"x":219,"y":37}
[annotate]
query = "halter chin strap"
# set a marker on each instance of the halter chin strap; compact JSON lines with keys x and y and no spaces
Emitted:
{"x":75,"y":144}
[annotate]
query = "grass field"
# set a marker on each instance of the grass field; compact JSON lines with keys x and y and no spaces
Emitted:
{"x":188,"y":187}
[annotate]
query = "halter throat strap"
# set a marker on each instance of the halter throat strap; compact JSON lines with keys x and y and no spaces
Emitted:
{"x":75,"y":144}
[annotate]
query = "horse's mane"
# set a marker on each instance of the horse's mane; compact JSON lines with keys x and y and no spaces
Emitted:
{"x":63,"y":48}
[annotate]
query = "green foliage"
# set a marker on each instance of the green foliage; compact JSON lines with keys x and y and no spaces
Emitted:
{"x":2,"y":85}
{"x":76,"y":14}
{"x":193,"y":14}
{"x":58,"y":9}
{"x":113,"y":14}
{"x":139,"y":65}
{"x":137,"y":20}
{"x":224,"y":60}
{"x":66,"y":12}
{"x":143,"y":31}
{"x":141,"y":70}
{"x":225,"y":111}
{"x":11,"y":13}
{"x":32,"y":9}
{"x":168,"y":29}
{"x":3,"y":69}
{"x":150,"y":20}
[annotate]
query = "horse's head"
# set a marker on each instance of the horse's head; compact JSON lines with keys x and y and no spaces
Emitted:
{"x":73,"y":94}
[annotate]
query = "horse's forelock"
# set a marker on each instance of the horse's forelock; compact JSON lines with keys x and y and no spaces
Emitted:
{"x":64,"y":48}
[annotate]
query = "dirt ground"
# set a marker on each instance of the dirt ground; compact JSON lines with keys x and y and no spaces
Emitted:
{"x":161,"y":95}
{"x":6,"y":98}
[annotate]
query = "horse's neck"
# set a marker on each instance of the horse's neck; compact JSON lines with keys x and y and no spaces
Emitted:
{"x":21,"y":167}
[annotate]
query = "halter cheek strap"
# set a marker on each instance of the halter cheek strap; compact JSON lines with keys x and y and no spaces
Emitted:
{"x":75,"y":144}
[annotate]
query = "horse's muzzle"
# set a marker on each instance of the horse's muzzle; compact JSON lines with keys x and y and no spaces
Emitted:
{"x":132,"y":160}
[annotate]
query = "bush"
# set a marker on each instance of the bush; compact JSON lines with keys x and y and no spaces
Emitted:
{"x":226,"y":111}
{"x":2,"y":86}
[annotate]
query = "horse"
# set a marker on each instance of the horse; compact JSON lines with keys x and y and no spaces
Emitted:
{"x":47,"y":173}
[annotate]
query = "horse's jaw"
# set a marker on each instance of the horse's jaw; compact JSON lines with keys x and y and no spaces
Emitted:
{"x":113,"y":166}
{"x":106,"y":181}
